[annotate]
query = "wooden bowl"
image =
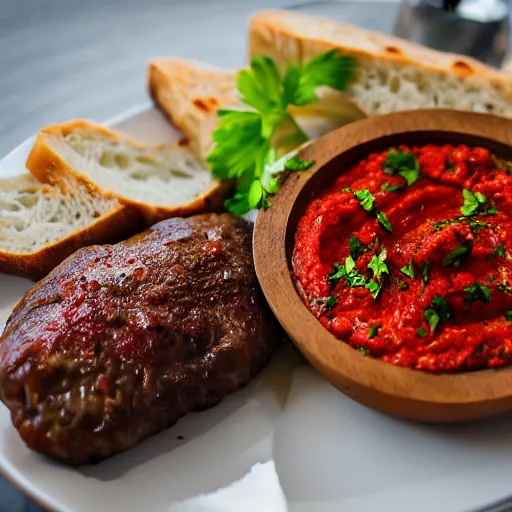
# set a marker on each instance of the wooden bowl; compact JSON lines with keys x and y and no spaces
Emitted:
{"x":401,"y":392}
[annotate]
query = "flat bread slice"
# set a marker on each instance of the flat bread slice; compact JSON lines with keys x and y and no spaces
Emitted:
{"x":190,"y":94}
{"x":159,"y":182}
{"x":41,"y":225}
{"x":392,"y":74}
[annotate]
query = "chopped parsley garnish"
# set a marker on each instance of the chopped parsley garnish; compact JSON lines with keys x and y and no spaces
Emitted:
{"x":473,"y":224}
{"x":331,"y":302}
{"x":354,"y":279}
{"x":367,"y":201}
{"x":474,"y":203}
{"x":425,"y":268}
{"x":408,"y":270}
{"x":453,"y":258}
{"x":499,"y":251}
{"x":402,"y":163}
{"x":508,"y":315}
{"x":374,"y":329}
{"x":246,"y":141}
{"x":477,"y":292}
{"x":387,"y":187}
{"x":421,"y":332}
{"x":363,"y":351}
{"x":437,"y":312}
{"x":381,"y":217}
{"x":378,"y":266}
{"x":356,"y":247}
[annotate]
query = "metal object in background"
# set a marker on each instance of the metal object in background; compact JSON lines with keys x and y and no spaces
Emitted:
{"x":477,"y":28}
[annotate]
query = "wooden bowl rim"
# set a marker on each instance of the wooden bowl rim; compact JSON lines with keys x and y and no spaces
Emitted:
{"x":336,"y":357}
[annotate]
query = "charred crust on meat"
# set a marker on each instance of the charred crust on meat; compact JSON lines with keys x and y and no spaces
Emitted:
{"x":119,"y":342}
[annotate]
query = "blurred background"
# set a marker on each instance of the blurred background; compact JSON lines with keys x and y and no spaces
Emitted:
{"x":64,"y":58}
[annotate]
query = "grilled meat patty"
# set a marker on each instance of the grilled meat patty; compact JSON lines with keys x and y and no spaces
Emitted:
{"x":119,"y":342}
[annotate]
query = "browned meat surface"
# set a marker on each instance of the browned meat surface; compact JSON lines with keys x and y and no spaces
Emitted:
{"x":119,"y":342}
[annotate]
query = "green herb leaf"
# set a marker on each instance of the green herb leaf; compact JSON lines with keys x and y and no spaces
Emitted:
{"x":260,"y":85}
{"x":387,"y":187}
{"x":366,"y":199}
{"x":296,"y":163}
{"x":471,"y":203}
{"x":338,"y":271}
{"x":508,"y":315}
{"x":350,"y":264}
{"x":499,"y":251}
{"x":408,"y":270}
{"x":478,"y":292}
{"x":353,"y":278}
{"x":480,"y":197}
{"x":238,"y":204}
{"x":432,"y":319}
{"x":330,"y":69}
{"x":437,"y":312}
{"x":243,"y":139}
{"x":374,"y":288}
{"x":402,"y":163}
{"x":421,"y":332}
{"x":378,"y":266}
{"x":384,"y":222}
{"x":454,"y":256}
{"x":440,"y":304}
{"x":363,"y":351}
{"x":331,"y":302}
{"x":236,"y":130}
{"x":474,"y":203}
{"x":374,"y":329}
{"x":425,"y":268}
{"x":255,"y":194}
{"x":355,"y":247}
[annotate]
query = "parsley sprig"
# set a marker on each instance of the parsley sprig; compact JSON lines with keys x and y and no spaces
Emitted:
{"x":438,"y":311}
{"x":404,"y":164}
{"x":353,"y":278}
{"x":477,"y":292}
{"x":356,"y":247}
{"x":367,"y":202}
{"x":475,"y":203}
{"x":247,"y":142}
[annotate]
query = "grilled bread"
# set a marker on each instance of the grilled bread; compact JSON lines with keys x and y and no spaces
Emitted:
{"x":392,"y":74}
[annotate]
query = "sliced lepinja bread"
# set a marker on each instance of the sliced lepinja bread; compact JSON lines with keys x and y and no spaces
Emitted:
{"x":159,"y":182}
{"x":391,"y":74}
{"x":41,"y":225}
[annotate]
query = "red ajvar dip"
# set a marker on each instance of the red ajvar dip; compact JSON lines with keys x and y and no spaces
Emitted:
{"x":444,"y":301}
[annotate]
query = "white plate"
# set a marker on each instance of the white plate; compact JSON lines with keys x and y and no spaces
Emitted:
{"x":288,"y":442}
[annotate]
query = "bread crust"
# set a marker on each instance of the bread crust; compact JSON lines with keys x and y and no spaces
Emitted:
{"x":189,"y":93}
{"x":294,"y":37}
{"x":116,"y":225}
{"x":298,"y":37}
{"x":49,"y":167}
